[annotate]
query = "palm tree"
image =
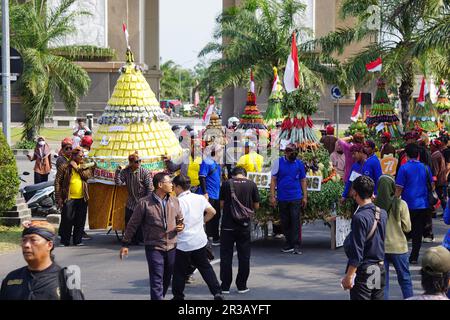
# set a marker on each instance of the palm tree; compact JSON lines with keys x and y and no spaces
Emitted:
{"x":257,"y":35}
{"x":399,"y":41}
{"x":34,"y":29}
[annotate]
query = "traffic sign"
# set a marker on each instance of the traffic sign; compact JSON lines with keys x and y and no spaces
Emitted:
{"x":336,"y":92}
{"x":16,"y":65}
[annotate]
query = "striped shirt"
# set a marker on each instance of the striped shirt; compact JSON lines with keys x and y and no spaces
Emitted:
{"x":137,"y":182}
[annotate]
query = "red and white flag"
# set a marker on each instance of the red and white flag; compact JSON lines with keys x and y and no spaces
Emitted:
{"x":275,"y":79}
{"x":422,"y":93}
{"x":252,"y":82}
{"x":208,"y":112}
{"x":127,"y":36}
{"x":375,"y":65}
{"x":356,"y":113}
{"x":291,"y":77}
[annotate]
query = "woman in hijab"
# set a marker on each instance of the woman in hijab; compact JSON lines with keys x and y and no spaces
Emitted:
{"x":338,"y":159}
{"x":42,"y":156}
{"x":395,"y":243}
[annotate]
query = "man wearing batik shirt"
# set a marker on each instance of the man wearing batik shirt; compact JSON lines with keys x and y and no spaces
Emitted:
{"x":138,"y":182}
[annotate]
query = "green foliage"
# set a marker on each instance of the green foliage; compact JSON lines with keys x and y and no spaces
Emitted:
{"x":303,"y":101}
{"x":321,"y":204}
{"x":33,"y":28}
{"x":9,"y":180}
{"x":25,"y":144}
{"x":258,"y":35}
{"x":413,"y":31}
{"x":84,"y":53}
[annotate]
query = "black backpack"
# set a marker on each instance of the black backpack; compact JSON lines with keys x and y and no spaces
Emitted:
{"x":240,"y":213}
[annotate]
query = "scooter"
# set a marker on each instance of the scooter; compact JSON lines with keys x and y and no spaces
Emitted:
{"x":40,"y":198}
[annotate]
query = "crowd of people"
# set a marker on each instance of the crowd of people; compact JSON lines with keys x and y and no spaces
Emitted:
{"x":180,"y":213}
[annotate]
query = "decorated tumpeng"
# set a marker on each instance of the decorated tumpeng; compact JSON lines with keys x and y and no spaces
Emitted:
{"x":297,"y":127}
{"x":382,"y":115}
{"x":133,"y":122}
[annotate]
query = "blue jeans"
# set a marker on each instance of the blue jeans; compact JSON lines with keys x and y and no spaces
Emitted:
{"x":401,"y":266}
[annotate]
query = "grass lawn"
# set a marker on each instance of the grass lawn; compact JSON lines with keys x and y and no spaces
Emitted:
{"x":10,"y":238}
{"x":51,"y":134}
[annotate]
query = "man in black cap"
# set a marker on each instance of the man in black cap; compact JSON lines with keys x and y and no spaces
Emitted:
{"x":42,"y":278}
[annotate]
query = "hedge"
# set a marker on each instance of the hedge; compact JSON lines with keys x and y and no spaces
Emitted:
{"x":9,"y":179}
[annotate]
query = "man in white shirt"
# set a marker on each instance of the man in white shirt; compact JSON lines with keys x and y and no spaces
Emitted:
{"x":191,"y":243}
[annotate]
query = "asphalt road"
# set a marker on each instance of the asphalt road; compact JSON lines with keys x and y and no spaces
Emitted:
{"x":274,"y":275}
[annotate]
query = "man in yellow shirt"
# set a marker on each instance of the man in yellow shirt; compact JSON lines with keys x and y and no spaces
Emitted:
{"x":71,"y":193}
{"x":251,"y":161}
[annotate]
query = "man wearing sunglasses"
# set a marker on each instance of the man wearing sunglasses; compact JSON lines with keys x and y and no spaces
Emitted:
{"x":65,"y":153}
{"x":138,"y":182}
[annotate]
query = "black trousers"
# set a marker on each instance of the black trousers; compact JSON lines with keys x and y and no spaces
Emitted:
{"x":73,"y":217}
{"x":418,"y":220}
{"x":369,"y":284}
{"x":212,"y":226}
{"x":227,"y":241}
{"x":38,"y":178}
{"x":138,"y":236}
{"x":290,"y":216}
{"x":198,"y":258}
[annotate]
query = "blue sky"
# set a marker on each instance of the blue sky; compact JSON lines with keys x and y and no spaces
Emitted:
{"x":185,"y":28}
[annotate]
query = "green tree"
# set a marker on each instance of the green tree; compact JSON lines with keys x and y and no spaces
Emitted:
{"x":257,"y":35}
{"x":34,"y":29}
{"x":176,"y":82}
{"x":397,"y":39}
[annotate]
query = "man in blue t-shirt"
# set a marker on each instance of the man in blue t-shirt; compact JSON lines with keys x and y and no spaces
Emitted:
{"x":289,"y":178}
{"x":412,"y":185}
{"x":209,"y":176}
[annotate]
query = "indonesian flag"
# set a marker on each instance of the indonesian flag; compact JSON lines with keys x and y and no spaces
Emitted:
{"x":423,"y":92}
{"x":356,"y":113}
{"x":252,"y":82}
{"x":374,"y":66}
{"x":291,"y":76}
{"x":209,"y":110}
{"x":125,"y":31}
{"x":275,"y":79}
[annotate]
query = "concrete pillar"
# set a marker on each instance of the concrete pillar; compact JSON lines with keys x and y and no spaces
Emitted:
{"x":151,"y":44}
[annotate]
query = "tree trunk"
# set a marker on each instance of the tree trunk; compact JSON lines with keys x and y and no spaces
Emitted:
{"x":406,"y":91}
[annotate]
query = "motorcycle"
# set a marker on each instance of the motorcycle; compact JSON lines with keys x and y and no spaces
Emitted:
{"x":40,"y":198}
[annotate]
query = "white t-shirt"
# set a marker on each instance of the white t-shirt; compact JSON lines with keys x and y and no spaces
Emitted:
{"x":193,"y":207}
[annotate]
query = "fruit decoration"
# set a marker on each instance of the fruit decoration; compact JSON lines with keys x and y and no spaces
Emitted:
{"x":298,"y":126}
{"x":443,"y":103}
{"x":274,"y":112}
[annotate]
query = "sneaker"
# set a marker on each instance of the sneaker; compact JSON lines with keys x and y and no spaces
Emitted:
{"x":225,"y":291}
{"x":243,"y":290}
{"x":85,"y":236}
{"x":287,"y":249}
{"x":413,"y":262}
{"x":216,"y":243}
{"x":81,"y":244}
{"x":63,"y":245}
{"x":428,"y":240}
{"x":218,"y":297}
{"x":190,"y":280}
{"x":297,"y":251}
{"x":279,"y":236}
